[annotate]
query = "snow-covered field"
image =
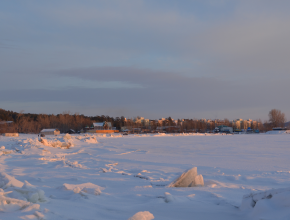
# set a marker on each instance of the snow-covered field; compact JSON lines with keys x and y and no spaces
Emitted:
{"x":127,"y":177}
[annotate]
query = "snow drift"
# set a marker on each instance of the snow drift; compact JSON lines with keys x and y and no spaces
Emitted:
{"x":270,"y":204}
{"x":83,"y":189}
{"x":250,"y":201}
{"x":9,"y":181}
{"x":278,"y":132}
{"x":20,"y":190}
{"x":67,"y":144}
{"x":91,"y":140}
{"x":20,"y":196}
{"x":31,"y":193}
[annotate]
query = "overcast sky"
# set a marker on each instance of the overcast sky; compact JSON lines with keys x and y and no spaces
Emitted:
{"x":151,"y":58}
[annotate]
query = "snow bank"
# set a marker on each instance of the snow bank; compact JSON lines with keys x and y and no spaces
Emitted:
{"x":75,"y":164}
{"x":270,"y":204}
{"x":84,"y":189}
{"x":190,"y":178}
{"x":250,"y":201}
{"x":22,"y":196}
{"x":91,"y":140}
{"x":168,"y":197}
{"x":21,"y":190}
{"x":66,"y":144}
{"x":10,"y":204}
{"x":159,"y":134}
{"x":142,"y":216}
{"x":11,"y":134}
{"x":118,"y":135}
{"x":278,"y":132}
{"x":35,"y":215}
{"x":31,"y":193}
{"x":4,"y":151}
{"x":67,"y":136}
{"x":79,"y":137}
{"x":9,"y":181}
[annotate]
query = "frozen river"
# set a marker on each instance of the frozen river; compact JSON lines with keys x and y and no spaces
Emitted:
{"x":115,"y":177}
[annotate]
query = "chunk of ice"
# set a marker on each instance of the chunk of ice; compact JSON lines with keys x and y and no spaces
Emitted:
{"x":188,"y":179}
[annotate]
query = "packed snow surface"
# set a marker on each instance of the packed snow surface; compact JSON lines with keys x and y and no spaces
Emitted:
{"x":162,"y":176}
{"x":279,"y":132}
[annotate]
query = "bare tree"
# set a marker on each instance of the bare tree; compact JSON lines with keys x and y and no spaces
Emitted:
{"x":276,"y":118}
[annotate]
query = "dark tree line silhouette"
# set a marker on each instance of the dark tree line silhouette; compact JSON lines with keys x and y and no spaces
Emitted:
{"x":34,"y":123}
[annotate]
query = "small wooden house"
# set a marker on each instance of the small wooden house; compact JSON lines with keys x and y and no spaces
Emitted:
{"x":11,"y":134}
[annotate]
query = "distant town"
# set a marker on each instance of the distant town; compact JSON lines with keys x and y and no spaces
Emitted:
{"x":11,"y":122}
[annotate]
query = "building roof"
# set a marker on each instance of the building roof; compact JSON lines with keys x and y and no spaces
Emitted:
{"x":98,"y":124}
{"x":101,"y":124}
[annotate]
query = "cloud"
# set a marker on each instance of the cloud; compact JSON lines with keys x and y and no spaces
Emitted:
{"x":159,"y":94}
{"x":257,"y":47}
{"x":188,"y":58}
{"x":202,"y":39}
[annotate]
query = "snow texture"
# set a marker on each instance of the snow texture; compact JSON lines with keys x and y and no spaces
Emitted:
{"x":9,"y":181}
{"x":109,"y":176}
{"x":85,"y":188}
{"x":278,"y":132}
{"x":57,"y":143}
{"x":22,"y":197}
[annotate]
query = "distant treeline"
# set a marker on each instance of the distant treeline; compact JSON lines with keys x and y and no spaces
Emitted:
{"x":34,"y":123}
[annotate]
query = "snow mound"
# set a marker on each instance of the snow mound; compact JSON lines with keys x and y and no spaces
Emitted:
{"x":67,"y":136}
{"x":118,"y":135}
{"x":79,"y":137}
{"x":251,"y":200}
{"x":91,"y":140}
{"x":278,"y":132}
{"x":75,"y":164}
{"x":35,"y":215}
{"x":21,"y":190}
{"x":22,"y":196}
{"x":9,"y":181}
{"x":270,"y":204}
{"x":190,"y":178}
{"x":31,"y":193}
{"x":83,"y":189}
{"x":142,"y":216}
{"x":11,"y":205}
{"x":168,"y":197}
{"x":28,"y":141}
{"x":4,"y":151}
{"x":159,"y":134}
{"x":57,"y":144}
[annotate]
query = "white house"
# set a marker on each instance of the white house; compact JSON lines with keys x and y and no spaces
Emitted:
{"x":50,"y":131}
{"x":102,"y":125}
